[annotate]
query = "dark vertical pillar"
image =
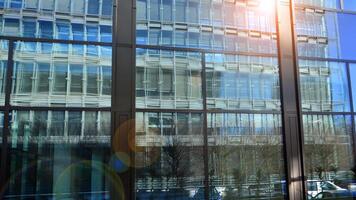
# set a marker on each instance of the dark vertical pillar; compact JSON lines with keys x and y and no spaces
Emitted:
{"x":123,"y":97}
{"x":292,"y":125}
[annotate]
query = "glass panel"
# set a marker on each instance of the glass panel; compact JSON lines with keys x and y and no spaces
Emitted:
{"x":328,"y":155}
{"x":352,"y":70}
{"x":167,"y":79}
{"x":54,"y":18}
{"x":246,"y":156}
{"x":321,"y":3}
{"x":242,"y":82}
{"x":3,"y":70}
{"x":183,"y":19}
{"x":324,"y":86}
{"x":169,"y":161}
{"x":50,"y":156}
{"x":325,"y":34}
{"x":349,"y":5}
{"x":43,"y":78}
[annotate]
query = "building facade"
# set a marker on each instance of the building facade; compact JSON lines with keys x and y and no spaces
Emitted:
{"x":177,"y":99}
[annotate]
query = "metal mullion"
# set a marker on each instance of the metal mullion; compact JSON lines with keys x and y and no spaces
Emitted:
{"x":145,"y":110}
{"x":205,"y":130}
{"x":46,"y":40}
{"x":336,"y":10}
{"x":353,"y":136}
{"x":6,"y":129}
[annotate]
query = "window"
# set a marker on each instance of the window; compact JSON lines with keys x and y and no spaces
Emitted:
{"x":92,"y":80}
{"x":155,"y":11}
{"x":193,"y":11}
{"x":90,"y":126}
{"x":74,"y":127}
{"x":78,"y":7}
{"x":105,"y":34}
{"x":16,"y":4}
{"x":24,"y":76}
{"x":29,"y":27}
{"x":180,"y":14}
{"x":167,"y":10}
{"x":92,"y":32}
{"x":46,"y":29}
{"x":78,"y":31}
{"x":107,"y":7}
{"x":141,"y":10}
{"x":47,"y":5}
{"x":167,"y":38}
{"x":154,"y":36}
{"x":60,"y":78}
{"x":180,"y":38}
{"x":43,"y":78}
{"x":76,"y":78}
{"x":141,"y":36}
{"x":63,"y":6}
{"x":106,"y":80}
{"x":93,"y":7}
{"x":31,"y":4}
{"x":12,"y":27}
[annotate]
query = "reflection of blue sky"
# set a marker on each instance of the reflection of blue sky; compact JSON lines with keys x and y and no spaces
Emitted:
{"x":350,"y":5}
{"x":353,"y":82}
{"x":347,"y":31}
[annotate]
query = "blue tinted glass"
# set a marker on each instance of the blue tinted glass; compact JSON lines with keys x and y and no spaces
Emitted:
{"x":78,"y":31}
{"x":107,"y":7}
{"x":63,"y":30}
{"x":167,"y":38}
{"x":353,"y":83}
{"x":141,"y":36}
{"x":347,"y":36}
{"x":29,"y":28}
{"x":93,"y":7}
{"x":105,"y":34}
{"x":16,"y":4}
{"x":92,"y":33}
{"x":154,"y":36}
{"x":2,"y":3}
{"x":350,"y":5}
{"x":46,"y":29}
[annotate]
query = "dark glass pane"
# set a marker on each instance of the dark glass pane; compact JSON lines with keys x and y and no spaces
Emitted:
{"x":169,"y":163}
{"x":328,"y":155}
{"x":50,"y":156}
{"x":3,"y":69}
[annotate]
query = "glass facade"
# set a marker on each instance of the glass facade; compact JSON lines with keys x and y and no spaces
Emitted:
{"x":203,"y":115}
{"x":55,"y":98}
{"x":236,"y":154}
{"x":326,"y":56}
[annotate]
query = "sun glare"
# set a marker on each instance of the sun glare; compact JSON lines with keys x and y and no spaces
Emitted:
{"x":267,"y":6}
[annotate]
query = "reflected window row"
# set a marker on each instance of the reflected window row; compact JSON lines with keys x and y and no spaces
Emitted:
{"x":42,"y":77}
{"x":324,"y":86}
{"x":242,"y":15}
{"x":74,"y":7}
{"x":325,"y":34}
{"x":348,"y":5}
{"x":59,"y":29}
{"x":218,"y":40}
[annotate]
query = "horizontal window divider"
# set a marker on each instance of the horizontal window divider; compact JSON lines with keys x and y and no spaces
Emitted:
{"x":326,"y":59}
{"x":47,"y":40}
{"x":245,"y":111}
{"x":326,"y":113}
{"x":146,"y":110}
{"x":22,"y":108}
{"x":207,"y":51}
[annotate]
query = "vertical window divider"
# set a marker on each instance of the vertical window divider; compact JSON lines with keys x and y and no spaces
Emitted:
{"x":6,"y":130}
{"x":205,"y":130}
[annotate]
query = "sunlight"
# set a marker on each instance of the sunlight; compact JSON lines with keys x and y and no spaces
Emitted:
{"x":267,"y":6}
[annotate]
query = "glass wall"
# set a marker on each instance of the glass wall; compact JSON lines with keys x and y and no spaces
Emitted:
{"x":327,"y":90}
{"x":55,"y":98}
{"x":208,"y":125}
